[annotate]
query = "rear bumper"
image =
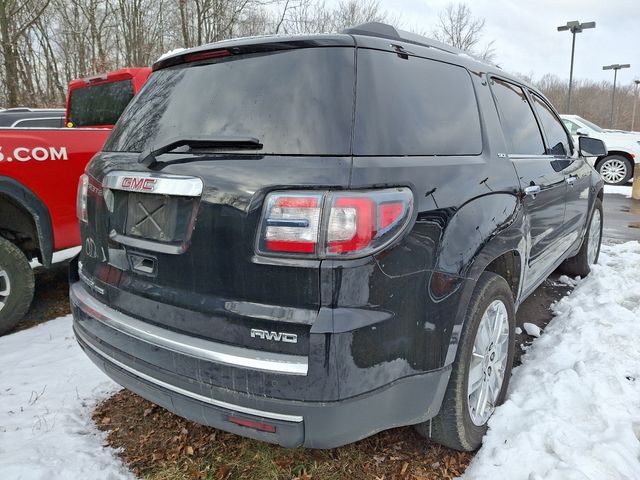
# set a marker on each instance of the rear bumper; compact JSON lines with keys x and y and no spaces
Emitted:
{"x":408,"y":400}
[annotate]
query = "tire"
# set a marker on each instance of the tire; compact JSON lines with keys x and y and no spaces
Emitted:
{"x":454,"y":427}
{"x":580,"y":264}
{"x":615,"y":169}
{"x":16,"y":285}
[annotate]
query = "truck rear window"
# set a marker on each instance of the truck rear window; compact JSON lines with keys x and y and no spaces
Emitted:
{"x":98,"y":105}
{"x":295,"y":102}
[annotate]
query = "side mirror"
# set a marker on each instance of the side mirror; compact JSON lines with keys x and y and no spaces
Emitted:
{"x":582,"y":132}
{"x":592,"y":147}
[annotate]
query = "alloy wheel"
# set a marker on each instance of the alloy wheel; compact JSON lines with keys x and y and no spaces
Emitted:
{"x":488,"y":362}
{"x":613,"y":171}
{"x":594,"y":237}
{"x":5,"y":287}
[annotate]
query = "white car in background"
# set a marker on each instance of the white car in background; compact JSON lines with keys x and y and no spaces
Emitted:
{"x":624,"y":149}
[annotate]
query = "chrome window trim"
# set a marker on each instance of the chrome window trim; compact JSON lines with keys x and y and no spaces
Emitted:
{"x":165,"y":184}
{"x":185,"y":344}
{"x":187,"y":393}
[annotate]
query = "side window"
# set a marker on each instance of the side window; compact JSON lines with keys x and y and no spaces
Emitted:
{"x":518,"y":122}
{"x":414,"y":106}
{"x":572,"y":127}
{"x":557,"y":138}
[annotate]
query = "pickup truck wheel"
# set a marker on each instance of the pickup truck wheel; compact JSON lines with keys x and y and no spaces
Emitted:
{"x":615,"y":169}
{"x":16,"y":285}
{"x":482,"y":368}
{"x":580,"y":264}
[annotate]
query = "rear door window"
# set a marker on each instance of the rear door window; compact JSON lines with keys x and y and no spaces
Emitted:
{"x":98,"y":105}
{"x":414,"y":106}
{"x":557,"y":140}
{"x":295,"y":102}
{"x":518,"y":121}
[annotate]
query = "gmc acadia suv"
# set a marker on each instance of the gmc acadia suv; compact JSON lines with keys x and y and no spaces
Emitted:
{"x":310,"y":239}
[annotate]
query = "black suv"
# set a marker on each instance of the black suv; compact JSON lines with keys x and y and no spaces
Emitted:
{"x":310,"y":239}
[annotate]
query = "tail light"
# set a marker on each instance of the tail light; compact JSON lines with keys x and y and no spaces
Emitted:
{"x":333,"y":224}
{"x":81,"y":202}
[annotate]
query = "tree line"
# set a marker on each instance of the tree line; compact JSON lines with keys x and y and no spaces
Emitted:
{"x":46,"y":43}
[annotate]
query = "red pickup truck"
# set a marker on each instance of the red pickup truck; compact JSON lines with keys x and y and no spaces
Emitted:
{"x":39,"y":171}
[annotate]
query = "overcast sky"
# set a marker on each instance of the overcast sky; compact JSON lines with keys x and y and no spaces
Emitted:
{"x":526,"y":38}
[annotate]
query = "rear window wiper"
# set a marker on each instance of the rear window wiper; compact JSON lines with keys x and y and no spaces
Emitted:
{"x":149,"y":156}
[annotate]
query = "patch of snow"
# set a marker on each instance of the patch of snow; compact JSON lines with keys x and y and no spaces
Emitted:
{"x":48,"y":388}
{"x":568,"y":281}
{"x":531,"y":329}
{"x":170,"y":53}
{"x":572,"y":410}
{"x":518,"y":330}
{"x":618,"y":190}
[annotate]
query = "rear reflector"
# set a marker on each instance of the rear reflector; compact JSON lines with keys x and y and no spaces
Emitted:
{"x":333,"y":224}
{"x":243,"y":422}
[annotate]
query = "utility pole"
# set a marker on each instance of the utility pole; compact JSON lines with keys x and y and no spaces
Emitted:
{"x":635,"y":102}
{"x":615,"y":67}
{"x":574,"y":27}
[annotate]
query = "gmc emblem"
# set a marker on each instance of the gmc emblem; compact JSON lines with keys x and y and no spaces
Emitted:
{"x":138,"y":184}
{"x":274,"y":336}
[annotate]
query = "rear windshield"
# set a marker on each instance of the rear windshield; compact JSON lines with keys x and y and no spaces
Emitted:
{"x":414,"y":106}
{"x":98,"y":105}
{"x":295,"y":102}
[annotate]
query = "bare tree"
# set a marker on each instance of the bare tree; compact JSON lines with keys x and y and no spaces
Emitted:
{"x":459,"y":28}
{"x":16,"y":18}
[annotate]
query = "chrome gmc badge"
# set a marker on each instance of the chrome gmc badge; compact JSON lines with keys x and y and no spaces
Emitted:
{"x":138,"y":184}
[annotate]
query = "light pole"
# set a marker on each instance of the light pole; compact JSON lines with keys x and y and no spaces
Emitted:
{"x":574,"y":27}
{"x":615,"y":67}
{"x":635,"y":101}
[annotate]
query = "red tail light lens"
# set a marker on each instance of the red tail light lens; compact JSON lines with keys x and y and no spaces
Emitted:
{"x":333,"y":224}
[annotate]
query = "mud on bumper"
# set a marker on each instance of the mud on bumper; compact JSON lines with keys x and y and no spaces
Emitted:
{"x":291,"y":423}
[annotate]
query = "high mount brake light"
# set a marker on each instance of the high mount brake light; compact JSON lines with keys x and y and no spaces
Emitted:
{"x":209,"y":54}
{"x":333,"y":224}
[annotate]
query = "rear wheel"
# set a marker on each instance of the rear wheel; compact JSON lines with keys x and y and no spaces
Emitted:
{"x":16,"y":285}
{"x":481,"y":372}
{"x":615,"y":169}
{"x":580,"y":264}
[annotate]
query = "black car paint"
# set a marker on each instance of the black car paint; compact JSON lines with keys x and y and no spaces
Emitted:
{"x":365,"y":324}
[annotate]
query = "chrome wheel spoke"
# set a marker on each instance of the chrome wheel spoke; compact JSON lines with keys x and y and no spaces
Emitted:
{"x":475,"y":376}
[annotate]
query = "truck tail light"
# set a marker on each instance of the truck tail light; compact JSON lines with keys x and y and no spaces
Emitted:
{"x":81,"y":202}
{"x":333,"y":224}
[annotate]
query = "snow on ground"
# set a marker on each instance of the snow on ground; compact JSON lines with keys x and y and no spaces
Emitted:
{"x":48,"y":388}
{"x":618,"y":190}
{"x":573,"y":409}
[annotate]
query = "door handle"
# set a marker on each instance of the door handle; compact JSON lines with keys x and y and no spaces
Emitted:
{"x":570,"y":180}
{"x":532,"y":190}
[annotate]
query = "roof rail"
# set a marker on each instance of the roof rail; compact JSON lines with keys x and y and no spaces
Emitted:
{"x":383,"y":30}
{"x":18,"y":109}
